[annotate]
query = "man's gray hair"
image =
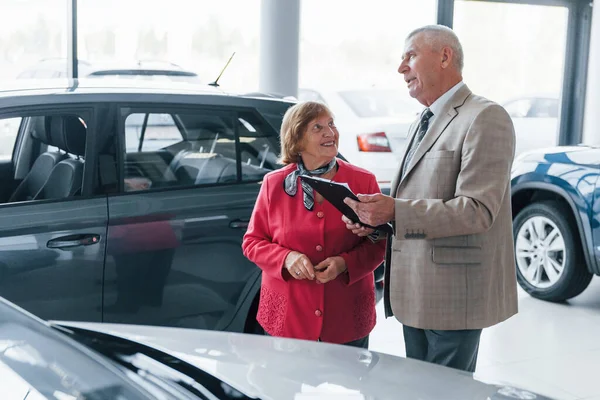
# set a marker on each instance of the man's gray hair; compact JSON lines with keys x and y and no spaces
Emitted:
{"x":439,"y":36}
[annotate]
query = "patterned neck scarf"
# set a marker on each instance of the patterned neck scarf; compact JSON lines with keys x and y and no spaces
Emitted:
{"x":290,"y":184}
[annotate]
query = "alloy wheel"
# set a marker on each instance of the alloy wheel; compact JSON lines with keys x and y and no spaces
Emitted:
{"x":540,"y":252}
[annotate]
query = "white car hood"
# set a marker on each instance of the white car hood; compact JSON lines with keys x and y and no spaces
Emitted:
{"x":279,"y":369}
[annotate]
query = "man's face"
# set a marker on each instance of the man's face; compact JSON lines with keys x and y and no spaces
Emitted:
{"x":421,"y":66}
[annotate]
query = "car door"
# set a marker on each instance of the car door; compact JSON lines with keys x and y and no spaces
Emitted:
{"x":52,"y":246}
{"x":176,"y":227}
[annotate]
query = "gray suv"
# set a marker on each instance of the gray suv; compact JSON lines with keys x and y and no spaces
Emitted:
{"x":129,"y":204}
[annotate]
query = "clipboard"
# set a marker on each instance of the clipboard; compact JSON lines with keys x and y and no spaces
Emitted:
{"x":335,"y":193}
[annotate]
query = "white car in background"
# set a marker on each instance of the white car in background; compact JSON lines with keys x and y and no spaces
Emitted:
{"x":373,"y":126}
{"x":536,"y":121}
{"x":56,"y":68}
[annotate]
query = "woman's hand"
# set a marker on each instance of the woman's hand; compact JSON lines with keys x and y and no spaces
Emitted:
{"x":299,"y":266}
{"x":329,"y":269}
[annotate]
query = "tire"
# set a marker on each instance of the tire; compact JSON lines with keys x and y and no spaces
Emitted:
{"x":548,"y":252}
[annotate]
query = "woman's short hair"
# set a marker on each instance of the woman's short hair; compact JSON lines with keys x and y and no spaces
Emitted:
{"x":294,"y":125}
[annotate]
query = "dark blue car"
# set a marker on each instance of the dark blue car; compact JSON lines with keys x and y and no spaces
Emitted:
{"x":556,"y":211}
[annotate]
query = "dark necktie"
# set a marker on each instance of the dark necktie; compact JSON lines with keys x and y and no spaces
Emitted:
{"x":423,"y":125}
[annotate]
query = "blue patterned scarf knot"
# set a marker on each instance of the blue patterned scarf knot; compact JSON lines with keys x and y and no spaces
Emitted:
{"x":290,"y":183}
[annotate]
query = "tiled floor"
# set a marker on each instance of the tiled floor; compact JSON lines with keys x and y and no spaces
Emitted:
{"x":552,"y":349}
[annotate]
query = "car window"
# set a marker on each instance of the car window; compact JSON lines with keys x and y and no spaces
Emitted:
{"x":518,"y":108}
{"x":259,"y":147}
{"x":195,"y":147}
{"x":544,"y":108}
{"x":26,"y":74}
{"x":9,"y":129}
{"x":310,"y":95}
{"x":381,"y":103}
{"x":160,"y":131}
{"x":187,"y":148}
{"x":46,"y":74}
{"x":51,"y":158}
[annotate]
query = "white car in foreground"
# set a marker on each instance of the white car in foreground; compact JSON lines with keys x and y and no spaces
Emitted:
{"x":373,"y":126}
{"x":76,"y":360}
{"x":261,"y":367}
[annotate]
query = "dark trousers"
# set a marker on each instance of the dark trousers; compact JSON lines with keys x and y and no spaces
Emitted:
{"x":455,"y":349}
{"x":360,"y":343}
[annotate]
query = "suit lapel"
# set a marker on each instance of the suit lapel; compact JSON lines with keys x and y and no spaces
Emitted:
{"x":441,"y":122}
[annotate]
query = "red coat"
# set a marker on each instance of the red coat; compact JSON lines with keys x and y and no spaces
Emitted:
{"x":339,"y":311}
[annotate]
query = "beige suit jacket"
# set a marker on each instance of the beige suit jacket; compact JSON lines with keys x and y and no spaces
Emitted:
{"x":451,"y":260}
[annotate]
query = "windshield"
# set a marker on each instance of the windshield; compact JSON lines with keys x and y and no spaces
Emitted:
{"x":158,"y":368}
{"x":53,"y":369}
{"x":375,"y":103}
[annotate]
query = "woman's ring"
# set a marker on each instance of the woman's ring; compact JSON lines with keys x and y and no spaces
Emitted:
{"x":297,"y":272}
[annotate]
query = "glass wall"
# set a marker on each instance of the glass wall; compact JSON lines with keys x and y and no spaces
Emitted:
{"x":349,"y":58}
{"x":195,"y":35}
{"x":514,"y":55}
{"x":30,"y":31}
{"x":358,"y":46}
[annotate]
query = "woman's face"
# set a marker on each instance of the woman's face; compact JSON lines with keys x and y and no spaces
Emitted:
{"x":321,"y":141}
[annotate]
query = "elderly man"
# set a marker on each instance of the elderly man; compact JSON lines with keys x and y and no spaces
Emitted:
{"x":450,"y":264}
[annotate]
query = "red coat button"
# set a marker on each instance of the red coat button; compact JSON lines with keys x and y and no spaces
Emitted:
{"x":320,"y":214}
{"x":318,"y":313}
{"x":319,"y":248}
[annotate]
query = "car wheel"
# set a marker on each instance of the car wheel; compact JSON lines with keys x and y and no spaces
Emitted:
{"x":548,"y":252}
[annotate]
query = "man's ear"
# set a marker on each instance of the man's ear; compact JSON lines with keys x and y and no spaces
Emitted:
{"x":447,"y":55}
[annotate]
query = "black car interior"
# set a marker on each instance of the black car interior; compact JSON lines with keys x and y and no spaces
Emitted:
{"x":58,"y":172}
{"x":205,"y":154}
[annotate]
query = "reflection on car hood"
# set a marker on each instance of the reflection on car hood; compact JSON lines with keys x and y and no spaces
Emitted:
{"x":275,"y":368}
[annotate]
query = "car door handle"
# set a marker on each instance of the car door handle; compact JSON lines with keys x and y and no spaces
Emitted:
{"x":73,"y":241}
{"x":239,"y":224}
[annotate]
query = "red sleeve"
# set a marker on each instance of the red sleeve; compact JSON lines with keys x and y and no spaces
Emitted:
{"x":258,"y":244}
{"x":365,"y":257}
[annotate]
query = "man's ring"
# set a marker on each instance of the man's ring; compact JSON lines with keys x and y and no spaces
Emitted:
{"x":297,"y":272}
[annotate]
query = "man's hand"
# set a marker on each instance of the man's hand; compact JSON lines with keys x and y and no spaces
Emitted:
{"x":299,"y":266}
{"x":329,"y":269}
{"x":357,"y":229}
{"x":373,"y":209}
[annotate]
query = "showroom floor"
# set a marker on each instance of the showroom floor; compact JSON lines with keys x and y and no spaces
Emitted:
{"x":551,"y":349}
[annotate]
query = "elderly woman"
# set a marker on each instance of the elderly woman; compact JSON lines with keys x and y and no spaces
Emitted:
{"x":317,"y":281}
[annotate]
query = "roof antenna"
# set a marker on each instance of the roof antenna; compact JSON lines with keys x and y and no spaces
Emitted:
{"x":215,"y":84}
